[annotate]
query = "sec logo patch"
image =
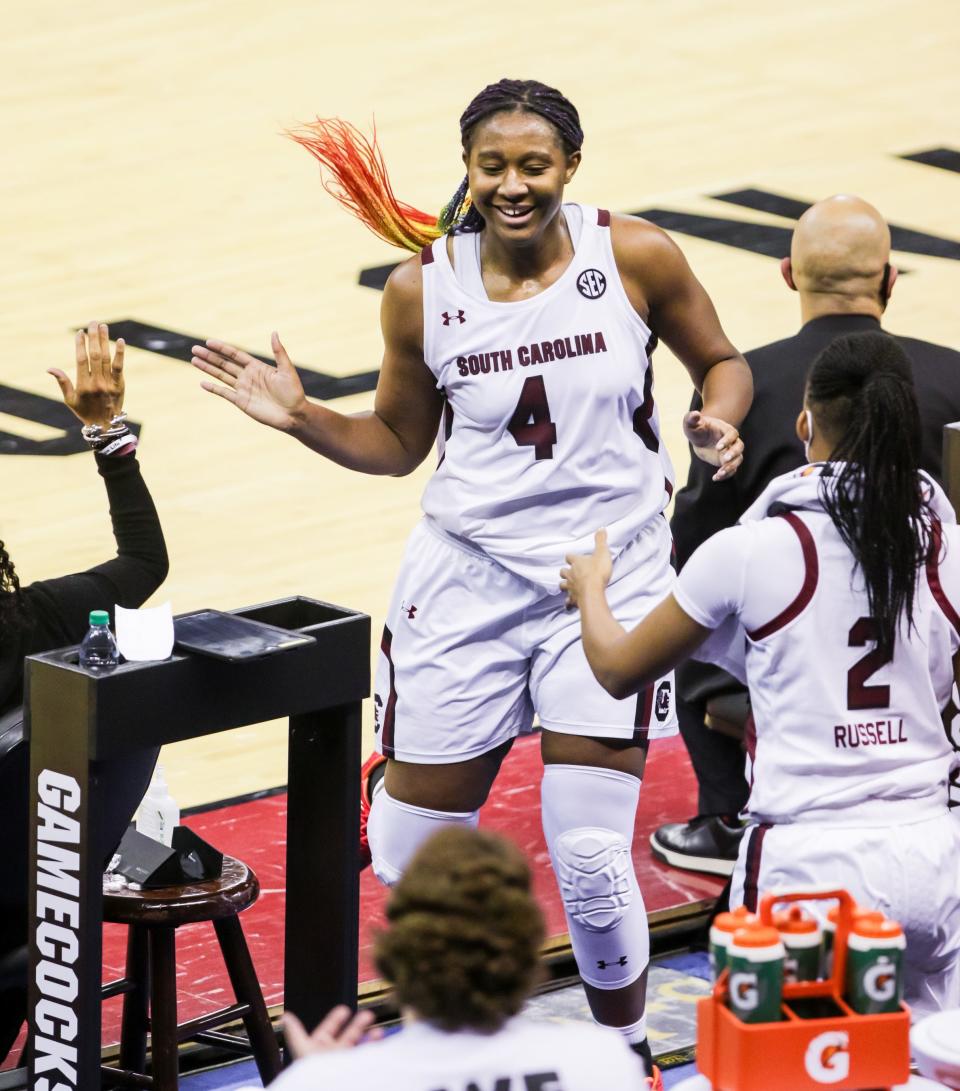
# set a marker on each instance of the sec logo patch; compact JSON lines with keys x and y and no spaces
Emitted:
{"x":591,"y":284}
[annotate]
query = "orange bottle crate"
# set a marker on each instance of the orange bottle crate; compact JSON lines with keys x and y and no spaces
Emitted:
{"x":840,"y":1050}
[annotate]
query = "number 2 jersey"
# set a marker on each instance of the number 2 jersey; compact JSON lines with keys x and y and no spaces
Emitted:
{"x":841,"y":736}
{"x":550,"y":430}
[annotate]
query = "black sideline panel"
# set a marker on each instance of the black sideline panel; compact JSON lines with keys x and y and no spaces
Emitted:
{"x":76,"y":719}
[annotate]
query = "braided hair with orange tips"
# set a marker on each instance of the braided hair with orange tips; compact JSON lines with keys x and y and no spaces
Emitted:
{"x":358,"y":176}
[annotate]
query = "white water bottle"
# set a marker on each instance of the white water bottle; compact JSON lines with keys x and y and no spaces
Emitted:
{"x":159,"y":814}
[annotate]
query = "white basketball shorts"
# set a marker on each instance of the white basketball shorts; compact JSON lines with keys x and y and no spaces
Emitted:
{"x":470,"y":651}
{"x":910,"y":872}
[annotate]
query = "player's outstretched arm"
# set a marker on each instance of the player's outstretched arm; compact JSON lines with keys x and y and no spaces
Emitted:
{"x":271,"y":395}
{"x":392,"y":439}
{"x":673,"y":302}
{"x":622,"y":661}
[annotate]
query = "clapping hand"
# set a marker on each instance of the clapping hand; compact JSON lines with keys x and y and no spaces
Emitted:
{"x":339,"y":1029}
{"x":97,"y":396}
{"x":714,"y":441}
{"x":270,"y":395}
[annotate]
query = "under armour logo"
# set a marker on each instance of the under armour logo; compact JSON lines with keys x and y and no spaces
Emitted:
{"x":621,"y":961}
{"x":411,"y":610}
{"x":448,"y":318}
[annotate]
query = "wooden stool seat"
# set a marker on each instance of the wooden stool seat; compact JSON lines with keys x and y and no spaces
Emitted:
{"x":149,"y":986}
{"x":170,"y":906}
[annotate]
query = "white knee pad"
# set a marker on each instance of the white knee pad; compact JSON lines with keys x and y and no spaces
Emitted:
{"x":594,"y":868}
{"x":396,"y":830}
{"x":588,"y":817}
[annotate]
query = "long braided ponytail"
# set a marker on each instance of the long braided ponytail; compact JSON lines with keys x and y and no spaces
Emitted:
{"x":860,"y":389}
{"x":358,"y":176}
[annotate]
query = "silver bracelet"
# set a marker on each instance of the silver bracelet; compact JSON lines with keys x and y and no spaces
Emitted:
{"x":93,"y":432}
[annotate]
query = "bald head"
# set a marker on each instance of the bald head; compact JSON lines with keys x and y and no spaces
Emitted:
{"x":840,"y":247}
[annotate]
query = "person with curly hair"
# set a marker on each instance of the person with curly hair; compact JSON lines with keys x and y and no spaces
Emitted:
{"x":52,"y":613}
{"x":461,"y":949}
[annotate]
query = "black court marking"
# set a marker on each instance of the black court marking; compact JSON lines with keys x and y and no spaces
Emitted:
{"x":376,"y":276}
{"x":904,"y":239}
{"x":316,"y":384}
{"x":41,"y":410}
{"x":766,"y":239}
{"x":760,"y":200}
{"x":942,"y":158}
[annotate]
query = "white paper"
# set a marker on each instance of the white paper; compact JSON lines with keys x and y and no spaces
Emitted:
{"x":145,"y":634}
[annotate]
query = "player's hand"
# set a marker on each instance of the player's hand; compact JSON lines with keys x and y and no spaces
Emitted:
{"x":98,"y":393}
{"x":715,"y":442}
{"x":339,"y":1029}
{"x":588,"y":573}
{"x":271,"y":395}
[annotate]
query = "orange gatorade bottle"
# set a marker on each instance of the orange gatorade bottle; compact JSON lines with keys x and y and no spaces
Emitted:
{"x":875,"y":966}
{"x":721,"y":932}
{"x":755,"y":959}
{"x":802,"y":940}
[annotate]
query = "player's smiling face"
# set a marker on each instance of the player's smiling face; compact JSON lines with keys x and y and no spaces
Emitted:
{"x":517,"y":167}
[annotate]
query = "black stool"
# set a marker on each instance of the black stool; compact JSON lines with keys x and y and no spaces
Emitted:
{"x":153,"y":916}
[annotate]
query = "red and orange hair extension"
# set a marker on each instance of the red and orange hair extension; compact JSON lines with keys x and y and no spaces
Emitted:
{"x":357,"y":178}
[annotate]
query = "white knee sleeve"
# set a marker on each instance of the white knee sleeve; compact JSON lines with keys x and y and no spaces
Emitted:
{"x":396,"y":830}
{"x":588,"y":817}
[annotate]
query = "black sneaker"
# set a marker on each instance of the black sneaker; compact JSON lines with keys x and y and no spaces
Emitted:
{"x":705,"y":844}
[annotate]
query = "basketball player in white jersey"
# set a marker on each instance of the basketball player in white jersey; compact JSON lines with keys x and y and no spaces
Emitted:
{"x":525,"y":330}
{"x":461,"y":949}
{"x":837,"y":599}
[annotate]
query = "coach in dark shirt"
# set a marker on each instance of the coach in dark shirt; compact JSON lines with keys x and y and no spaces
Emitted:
{"x":839,"y":265}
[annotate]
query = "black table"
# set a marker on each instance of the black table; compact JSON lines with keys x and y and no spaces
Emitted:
{"x":76,"y":719}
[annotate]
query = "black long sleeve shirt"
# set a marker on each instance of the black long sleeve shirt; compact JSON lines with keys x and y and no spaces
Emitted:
{"x":57,"y":610}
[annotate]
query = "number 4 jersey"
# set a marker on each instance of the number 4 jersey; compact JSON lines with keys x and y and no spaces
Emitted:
{"x":842,"y":736}
{"x":549,"y":430}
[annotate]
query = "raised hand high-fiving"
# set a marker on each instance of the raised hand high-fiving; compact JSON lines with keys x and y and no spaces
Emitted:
{"x":97,"y":395}
{"x":270,"y":395}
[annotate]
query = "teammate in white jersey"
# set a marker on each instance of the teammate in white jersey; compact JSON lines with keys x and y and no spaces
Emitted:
{"x":837,"y":600}
{"x":461,"y":949}
{"x":525,"y":328}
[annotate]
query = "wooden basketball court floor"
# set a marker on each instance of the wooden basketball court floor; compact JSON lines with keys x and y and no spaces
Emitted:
{"x":145,"y":180}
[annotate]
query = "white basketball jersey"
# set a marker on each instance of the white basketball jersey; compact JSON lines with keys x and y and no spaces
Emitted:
{"x":841,"y":736}
{"x":524,"y":1054}
{"x":550,"y":430}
